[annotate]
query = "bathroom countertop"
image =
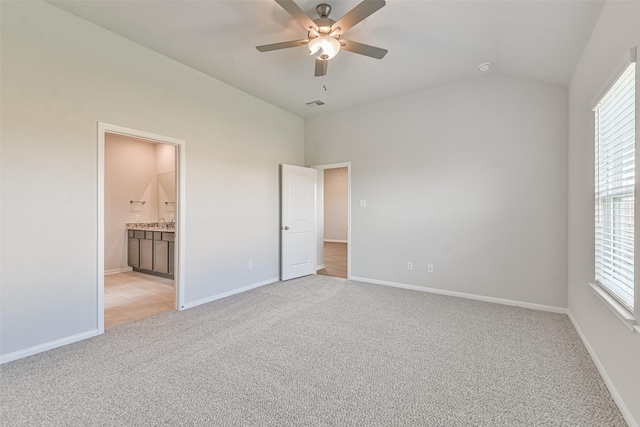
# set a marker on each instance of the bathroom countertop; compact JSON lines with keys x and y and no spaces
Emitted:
{"x":151,"y":226}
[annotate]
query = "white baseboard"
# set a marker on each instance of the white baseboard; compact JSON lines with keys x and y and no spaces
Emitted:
{"x":46,"y":346}
{"x":336,"y":241}
{"x":628,"y":417}
{"x":74,"y":338}
{"x":503,"y":301}
{"x":118,"y":270}
{"x":229,"y":293}
{"x":320,"y":267}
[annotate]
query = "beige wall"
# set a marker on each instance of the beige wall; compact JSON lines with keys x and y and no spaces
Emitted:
{"x":336,"y":193}
{"x":469,"y":177}
{"x":60,"y":76}
{"x":615,"y":347}
{"x":165,"y":158}
{"x":129,"y":174}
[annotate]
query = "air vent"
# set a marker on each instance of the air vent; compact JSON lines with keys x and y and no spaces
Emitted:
{"x":315,"y":103}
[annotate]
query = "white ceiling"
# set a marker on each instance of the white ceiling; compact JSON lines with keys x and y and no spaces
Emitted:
{"x":430,"y":43}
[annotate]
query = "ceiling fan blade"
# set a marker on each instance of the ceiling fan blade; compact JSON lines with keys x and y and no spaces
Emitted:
{"x":357,"y":14}
{"x":321,"y":67}
{"x":363,"y":49}
{"x":283,"y":45}
{"x":298,"y":14}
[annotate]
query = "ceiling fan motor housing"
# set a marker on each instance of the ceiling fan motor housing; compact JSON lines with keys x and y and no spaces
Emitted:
{"x":324,"y":26}
{"x":323,"y":10}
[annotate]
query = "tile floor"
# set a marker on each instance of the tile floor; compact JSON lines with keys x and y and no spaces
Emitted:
{"x":131,"y":296}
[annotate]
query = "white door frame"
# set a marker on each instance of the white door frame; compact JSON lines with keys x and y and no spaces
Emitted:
{"x":103,"y":129}
{"x":349,"y":241}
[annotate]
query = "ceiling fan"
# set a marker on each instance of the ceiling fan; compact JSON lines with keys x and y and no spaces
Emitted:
{"x":324,"y":34}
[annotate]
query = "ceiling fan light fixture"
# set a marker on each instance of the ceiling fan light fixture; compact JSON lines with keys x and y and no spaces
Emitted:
{"x":324,"y":47}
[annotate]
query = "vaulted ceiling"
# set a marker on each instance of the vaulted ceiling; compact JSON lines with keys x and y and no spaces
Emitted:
{"x":430,"y":43}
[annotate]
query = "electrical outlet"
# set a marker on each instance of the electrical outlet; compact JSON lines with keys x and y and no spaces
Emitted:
{"x":409,"y":265}
{"x":250,"y":265}
{"x":137,"y":218}
{"x":429,"y":268}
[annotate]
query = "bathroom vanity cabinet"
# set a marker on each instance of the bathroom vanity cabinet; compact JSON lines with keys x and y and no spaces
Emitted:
{"x":151,"y":251}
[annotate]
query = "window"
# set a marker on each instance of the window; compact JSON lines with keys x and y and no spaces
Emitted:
{"x":615,"y":188}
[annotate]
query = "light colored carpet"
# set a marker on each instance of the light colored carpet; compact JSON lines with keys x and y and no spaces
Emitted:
{"x":318,"y":351}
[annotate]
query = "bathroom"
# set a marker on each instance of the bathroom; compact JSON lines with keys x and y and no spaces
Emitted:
{"x":139,"y":228}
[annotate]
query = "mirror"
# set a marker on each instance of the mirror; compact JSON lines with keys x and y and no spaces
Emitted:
{"x":167,"y":196}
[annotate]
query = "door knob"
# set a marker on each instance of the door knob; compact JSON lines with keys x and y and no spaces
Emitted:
{"x":286,"y":228}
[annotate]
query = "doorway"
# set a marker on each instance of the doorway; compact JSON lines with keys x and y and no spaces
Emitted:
{"x":140,"y":227}
{"x":334,"y":220}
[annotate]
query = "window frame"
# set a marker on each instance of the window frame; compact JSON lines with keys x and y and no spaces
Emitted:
{"x":612,"y":300}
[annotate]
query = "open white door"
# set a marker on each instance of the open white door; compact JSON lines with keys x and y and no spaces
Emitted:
{"x":298,"y":226}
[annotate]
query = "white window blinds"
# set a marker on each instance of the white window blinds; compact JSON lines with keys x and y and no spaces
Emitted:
{"x":615,"y":187}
